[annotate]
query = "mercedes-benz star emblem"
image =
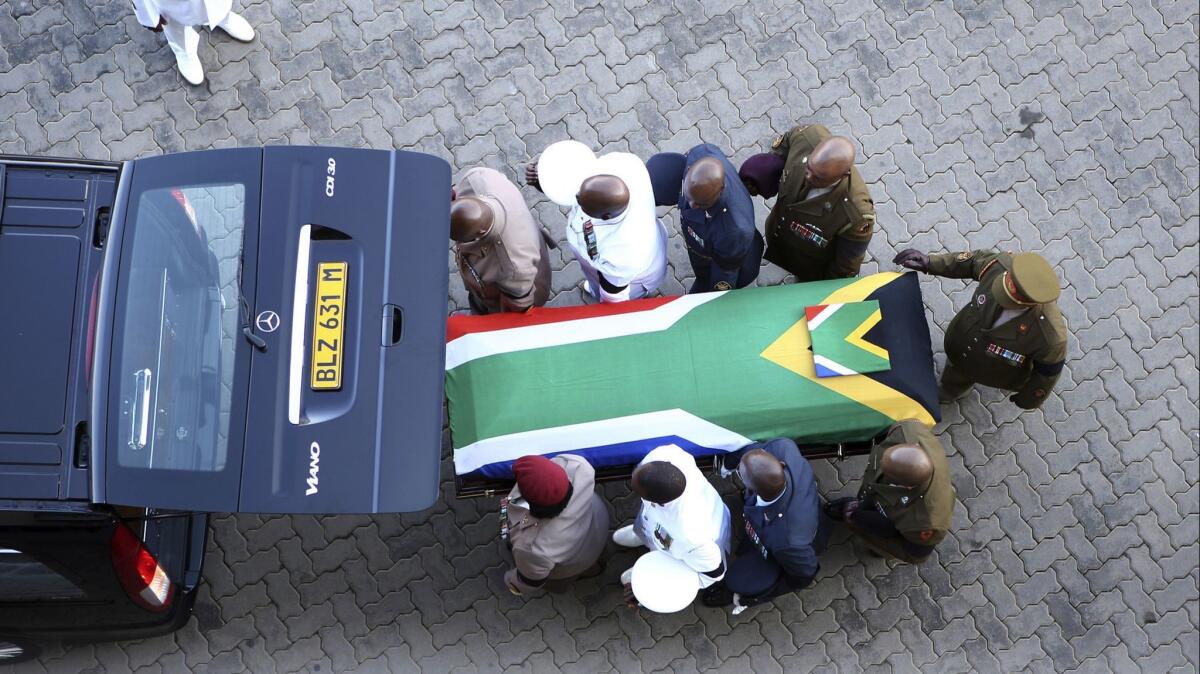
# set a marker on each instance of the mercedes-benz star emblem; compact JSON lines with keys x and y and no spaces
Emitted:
{"x":267,"y":321}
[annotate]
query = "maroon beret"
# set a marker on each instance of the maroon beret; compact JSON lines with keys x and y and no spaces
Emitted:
{"x":764,"y":170}
{"x":541,"y":481}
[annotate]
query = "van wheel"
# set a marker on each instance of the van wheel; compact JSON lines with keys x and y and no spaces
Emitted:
{"x":12,"y":652}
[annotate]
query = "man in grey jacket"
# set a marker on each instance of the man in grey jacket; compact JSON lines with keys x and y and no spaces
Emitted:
{"x":553,"y":522}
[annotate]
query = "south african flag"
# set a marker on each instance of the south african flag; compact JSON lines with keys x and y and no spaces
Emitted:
{"x":838,"y":345}
{"x":709,"y":372}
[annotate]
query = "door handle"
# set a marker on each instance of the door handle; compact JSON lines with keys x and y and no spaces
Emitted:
{"x":139,"y":418}
{"x":393,"y":325}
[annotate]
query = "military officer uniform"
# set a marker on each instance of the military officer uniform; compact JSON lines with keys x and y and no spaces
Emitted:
{"x":723,"y":244}
{"x":817,"y":233}
{"x":1021,"y":349}
{"x":896,"y":521}
{"x":783,"y":537}
{"x":546,"y":549}
{"x":508,"y":269}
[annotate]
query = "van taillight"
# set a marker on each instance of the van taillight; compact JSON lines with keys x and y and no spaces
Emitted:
{"x":144,"y":580}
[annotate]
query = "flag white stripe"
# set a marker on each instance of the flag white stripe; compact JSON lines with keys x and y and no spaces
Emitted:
{"x":832,"y":366}
{"x":829,"y":310}
{"x":474,"y":345}
{"x":596,"y":434}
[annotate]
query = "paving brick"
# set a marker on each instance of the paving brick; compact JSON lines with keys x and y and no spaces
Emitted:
{"x":1096,"y":491}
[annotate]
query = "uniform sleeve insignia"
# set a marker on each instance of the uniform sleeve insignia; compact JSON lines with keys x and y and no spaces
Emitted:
{"x":925,"y":535}
{"x":723,"y":285}
{"x":775,"y":143}
{"x":964,"y":256}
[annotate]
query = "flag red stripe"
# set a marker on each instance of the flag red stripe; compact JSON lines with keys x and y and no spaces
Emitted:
{"x":462,"y":324}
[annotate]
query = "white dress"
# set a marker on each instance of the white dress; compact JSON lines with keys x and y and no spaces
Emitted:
{"x":694,"y":528}
{"x":631,"y":249}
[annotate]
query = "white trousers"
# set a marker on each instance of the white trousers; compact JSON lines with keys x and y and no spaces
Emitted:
{"x":183,"y":40}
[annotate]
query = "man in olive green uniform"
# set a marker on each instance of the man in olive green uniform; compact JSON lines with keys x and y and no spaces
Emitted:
{"x":906,"y":501}
{"x":1011,"y":335}
{"x":500,"y":250}
{"x":824,"y":216}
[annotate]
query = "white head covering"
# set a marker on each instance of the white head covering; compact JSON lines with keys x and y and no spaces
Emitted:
{"x":563,"y":167}
{"x":662,"y":583}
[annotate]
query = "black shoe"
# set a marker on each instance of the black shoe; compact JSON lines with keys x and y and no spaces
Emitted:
{"x":716,"y":595}
{"x":836,"y":509}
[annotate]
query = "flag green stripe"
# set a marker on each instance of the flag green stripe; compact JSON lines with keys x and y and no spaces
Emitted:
{"x":707,"y":364}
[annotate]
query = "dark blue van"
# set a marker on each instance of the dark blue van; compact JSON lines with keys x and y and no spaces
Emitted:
{"x":242,"y":330}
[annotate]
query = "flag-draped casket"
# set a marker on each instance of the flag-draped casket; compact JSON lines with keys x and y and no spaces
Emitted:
{"x":709,"y":372}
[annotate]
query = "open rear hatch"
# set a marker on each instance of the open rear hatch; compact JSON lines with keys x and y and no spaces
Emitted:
{"x":272,"y":332}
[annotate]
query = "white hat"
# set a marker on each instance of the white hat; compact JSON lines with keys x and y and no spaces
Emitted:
{"x":563,"y":167}
{"x":662,"y":583}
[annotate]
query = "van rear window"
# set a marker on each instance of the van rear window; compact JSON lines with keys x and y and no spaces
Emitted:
{"x":180,"y":291}
{"x":24,"y":579}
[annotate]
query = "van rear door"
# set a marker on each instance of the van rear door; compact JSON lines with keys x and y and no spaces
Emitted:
{"x":275,"y":323}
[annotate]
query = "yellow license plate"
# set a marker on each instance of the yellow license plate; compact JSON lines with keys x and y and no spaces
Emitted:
{"x":329,"y":317}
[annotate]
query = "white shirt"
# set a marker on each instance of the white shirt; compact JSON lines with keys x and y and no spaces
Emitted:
{"x":631,"y":249}
{"x":1007,"y":315}
{"x":694,"y":528}
{"x":815,"y":192}
{"x":185,"y":12}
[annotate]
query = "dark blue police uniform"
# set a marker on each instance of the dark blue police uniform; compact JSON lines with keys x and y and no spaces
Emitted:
{"x":723,"y":244}
{"x":778,"y":553}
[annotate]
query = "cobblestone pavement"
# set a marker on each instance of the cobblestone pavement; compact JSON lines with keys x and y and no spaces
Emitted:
{"x":1069,"y":128}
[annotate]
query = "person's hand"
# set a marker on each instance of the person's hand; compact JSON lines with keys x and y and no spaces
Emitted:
{"x":509,"y":577}
{"x":629,"y":598}
{"x":850,"y":508}
{"x":738,"y":607}
{"x":531,"y":176}
{"x":162,"y":21}
{"x":911,"y":258}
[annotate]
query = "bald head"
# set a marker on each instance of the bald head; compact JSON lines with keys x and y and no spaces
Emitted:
{"x":703,"y":182}
{"x":830,"y":161}
{"x":763,"y":473}
{"x":470,"y":219}
{"x":906,"y":465}
{"x":603,"y":197}
{"x":658,"y":482}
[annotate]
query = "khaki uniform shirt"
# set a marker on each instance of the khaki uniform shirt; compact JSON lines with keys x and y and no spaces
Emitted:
{"x":509,"y":268}
{"x":921,"y":515}
{"x":817,"y":237}
{"x":1025,"y":354}
{"x":563,"y":546}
